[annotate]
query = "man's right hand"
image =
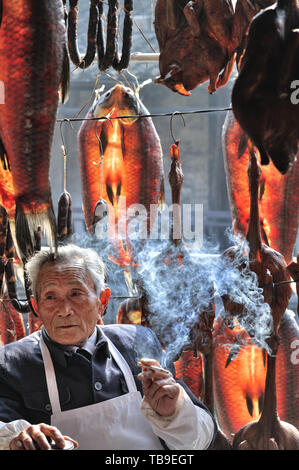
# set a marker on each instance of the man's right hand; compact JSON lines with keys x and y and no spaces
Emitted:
{"x":35,"y":437}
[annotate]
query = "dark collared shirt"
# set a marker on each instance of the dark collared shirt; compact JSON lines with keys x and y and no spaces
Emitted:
{"x":99,"y":377}
{"x":80,"y":381}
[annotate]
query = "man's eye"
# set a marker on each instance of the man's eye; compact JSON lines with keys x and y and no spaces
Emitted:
{"x":76,"y":293}
{"x":49,"y":296}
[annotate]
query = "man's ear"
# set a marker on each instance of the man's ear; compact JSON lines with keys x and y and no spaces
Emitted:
{"x":34,"y":305}
{"x":104,"y":299}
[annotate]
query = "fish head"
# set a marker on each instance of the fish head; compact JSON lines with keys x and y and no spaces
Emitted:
{"x":118,"y":101}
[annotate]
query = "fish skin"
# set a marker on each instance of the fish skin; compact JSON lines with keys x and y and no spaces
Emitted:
{"x":279,"y":196}
{"x":287,"y":376}
{"x":33,"y":54}
{"x":89,"y":153}
{"x":7,"y":195}
{"x":12,"y":326}
{"x":143,"y":163}
{"x":132,"y":162}
{"x":245,"y":376}
{"x":190,"y":370}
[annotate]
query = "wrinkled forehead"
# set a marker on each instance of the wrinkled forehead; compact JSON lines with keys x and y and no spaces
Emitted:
{"x":70,"y":272}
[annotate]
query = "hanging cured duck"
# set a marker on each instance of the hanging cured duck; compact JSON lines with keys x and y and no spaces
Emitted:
{"x":199,"y":40}
{"x":261,"y":96}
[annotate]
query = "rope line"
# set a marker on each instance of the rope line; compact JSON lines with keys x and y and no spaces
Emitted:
{"x":176,"y":113}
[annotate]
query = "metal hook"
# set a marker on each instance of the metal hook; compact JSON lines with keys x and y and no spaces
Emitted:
{"x":171,"y":129}
{"x":60,"y":127}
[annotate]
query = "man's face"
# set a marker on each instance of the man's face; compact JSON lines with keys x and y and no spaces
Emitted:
{"x":67,"y":303}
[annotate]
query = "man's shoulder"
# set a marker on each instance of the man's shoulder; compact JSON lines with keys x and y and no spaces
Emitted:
{"x":20,"y":349}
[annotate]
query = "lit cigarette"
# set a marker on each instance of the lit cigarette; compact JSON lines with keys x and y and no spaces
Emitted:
{"x":155,"y":368}
{"x":160,"y":369}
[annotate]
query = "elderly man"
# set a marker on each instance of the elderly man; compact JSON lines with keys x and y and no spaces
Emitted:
{"x":78,"y":379}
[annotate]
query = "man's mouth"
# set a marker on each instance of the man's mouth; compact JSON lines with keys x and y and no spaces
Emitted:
{"x":66,"y":326}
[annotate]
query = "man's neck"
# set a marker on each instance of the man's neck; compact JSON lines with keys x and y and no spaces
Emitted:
{"x":88,"y":344}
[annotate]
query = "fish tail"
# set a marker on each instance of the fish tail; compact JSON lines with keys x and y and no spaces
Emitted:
{"x":26,"y":224}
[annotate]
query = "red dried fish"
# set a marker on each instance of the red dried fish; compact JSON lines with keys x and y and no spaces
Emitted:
{"x":278,"y":195}
{"x":32,"y":81}
{"x":132,"y":163}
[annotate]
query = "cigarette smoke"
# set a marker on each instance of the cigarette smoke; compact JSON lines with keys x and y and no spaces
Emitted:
{"x":178,"y":293}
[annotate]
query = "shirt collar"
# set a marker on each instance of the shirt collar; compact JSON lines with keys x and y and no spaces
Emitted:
{"x":97,"y":341}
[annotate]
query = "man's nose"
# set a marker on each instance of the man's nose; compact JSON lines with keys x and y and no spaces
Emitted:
{"x":65,"y":308}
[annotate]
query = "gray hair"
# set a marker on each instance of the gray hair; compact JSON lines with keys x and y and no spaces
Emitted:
{"x":66,"y":253}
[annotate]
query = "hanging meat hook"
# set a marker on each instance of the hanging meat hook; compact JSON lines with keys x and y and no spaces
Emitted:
{"x":176,"y":141}
{"x":64,"y":215}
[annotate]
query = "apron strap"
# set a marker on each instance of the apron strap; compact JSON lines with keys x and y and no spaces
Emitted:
{"x":123,"y":365}
{"x":50,"y":377}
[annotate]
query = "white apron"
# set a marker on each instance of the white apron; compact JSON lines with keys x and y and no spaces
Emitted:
{"x":116,"y":424}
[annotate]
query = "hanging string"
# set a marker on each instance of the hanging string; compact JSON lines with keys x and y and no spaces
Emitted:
{"x":177,"y":113}
{"x":64,"y":150}
{"x":144,"y":37}
{"x":91,"y":95}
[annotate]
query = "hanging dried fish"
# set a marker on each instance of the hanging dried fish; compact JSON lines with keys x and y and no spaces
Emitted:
{"x":76,"y":58}
{"x":29,"y":33}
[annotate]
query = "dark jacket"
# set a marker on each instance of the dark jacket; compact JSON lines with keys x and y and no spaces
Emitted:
{"x":23,"y":389}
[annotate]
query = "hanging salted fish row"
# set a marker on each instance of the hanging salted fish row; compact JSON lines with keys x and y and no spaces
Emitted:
{"x":95,"y":36}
